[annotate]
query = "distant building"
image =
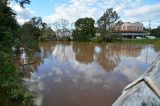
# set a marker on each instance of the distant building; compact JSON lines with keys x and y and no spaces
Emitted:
{"x":131,"y":30}
{"x":132,"y":27}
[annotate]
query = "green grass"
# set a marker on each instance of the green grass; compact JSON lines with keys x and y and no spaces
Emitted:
{"x":138,"y":41}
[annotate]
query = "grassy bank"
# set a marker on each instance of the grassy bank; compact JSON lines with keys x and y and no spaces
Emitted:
{"x":123,"y":41}
{"x":138,"y":41}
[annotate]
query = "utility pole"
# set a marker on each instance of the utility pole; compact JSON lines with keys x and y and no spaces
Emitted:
{"x":149,"y":27}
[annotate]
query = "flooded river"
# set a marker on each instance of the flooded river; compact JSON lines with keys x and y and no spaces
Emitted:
{"x":87,"y":74}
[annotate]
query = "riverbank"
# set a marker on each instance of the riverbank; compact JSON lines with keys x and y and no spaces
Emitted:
{"x":116,"y":41}
{"x":123,"y":41}
{"x":137,"y":41}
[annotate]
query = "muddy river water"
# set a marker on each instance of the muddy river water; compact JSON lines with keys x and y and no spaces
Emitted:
{"x":87,"y":74}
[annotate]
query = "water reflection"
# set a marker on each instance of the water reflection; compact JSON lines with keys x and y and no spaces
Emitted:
{"x":86,"y":74}
{"x":84,"y":52}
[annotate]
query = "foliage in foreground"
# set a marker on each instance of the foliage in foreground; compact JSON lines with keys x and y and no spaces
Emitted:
{"x":13,"y":91}
{"x":12,"y":87}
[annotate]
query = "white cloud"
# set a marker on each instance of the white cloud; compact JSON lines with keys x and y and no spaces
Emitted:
{"x":130,"y":69}
{"x":120,"y":7}
{"x":146,"y":9}
{"x":73,"y":11}
{"x":128,"y":10}
{"x":89,"y":8}
{"x":143,"y":14}
{"x":23,"y":14}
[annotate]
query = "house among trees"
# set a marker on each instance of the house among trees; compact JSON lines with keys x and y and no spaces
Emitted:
{"x":131,"y":30}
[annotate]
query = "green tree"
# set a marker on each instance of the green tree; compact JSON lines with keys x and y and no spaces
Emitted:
{"x":155,"y":32}
{"x":117,"y":25}
{"x":21,"y":2}
{"x":47,"y":33}
{"x":84,"y":29}
{"x":7,"y":18}
{"x":116,"y":31}
{"x":106,"y":23}
{"x":12,"y":87}
{"x":108,"y":20}
{"x":37,"y":25}
{"x":30,"y":32}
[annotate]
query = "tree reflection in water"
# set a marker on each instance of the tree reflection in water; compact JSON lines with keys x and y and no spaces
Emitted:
{"x":93,"y":73}
{"x":84,"y":52}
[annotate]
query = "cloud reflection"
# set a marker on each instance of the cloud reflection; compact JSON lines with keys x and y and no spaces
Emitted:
{"x":130,"y":67}
{"x":81,"y":67}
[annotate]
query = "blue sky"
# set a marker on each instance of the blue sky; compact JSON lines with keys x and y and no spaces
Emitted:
{"x":71,"y":10}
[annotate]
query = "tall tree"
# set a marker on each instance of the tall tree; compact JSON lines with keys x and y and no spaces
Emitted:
{"x":84,"y":29}
{"x":47,"y":33}
{"x":21,"y":2}
{"x":107,"y":23}
{"x":7,"y":18}
{"x":61,"y":24}
{"x":30,"y":32}
{"x":37,"y":25}
{"x":116,"y":31}
{"x":108,"y":20}
{"x":61,"y":27}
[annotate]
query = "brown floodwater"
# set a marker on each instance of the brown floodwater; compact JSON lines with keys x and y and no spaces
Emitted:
{"x":87,"y":74}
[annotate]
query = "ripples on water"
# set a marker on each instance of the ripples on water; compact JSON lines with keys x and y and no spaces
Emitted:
{"x":86,"y":74}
